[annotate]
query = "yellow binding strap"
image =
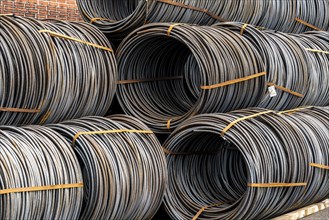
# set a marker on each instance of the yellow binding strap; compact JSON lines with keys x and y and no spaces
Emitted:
{"x":275,"y":185}
{"x":22,"y":110}
{"x":234,"y":81}
{"x":40,"y":188}
{"x":317,"y":51}
{"x":244,"y":27}
{"x":202,"y":209}
{"x":109,"y":132}
{"x":101,"y":19}
{"x":307,"y":24}
{"x":294,"y":110}
{"x":54,"y":34}
{"x":171,"y":27}
{"x":123,"y":82}
{"x":243,"y":119}
{"x":286,"y":90}
{"x":320,"y":166}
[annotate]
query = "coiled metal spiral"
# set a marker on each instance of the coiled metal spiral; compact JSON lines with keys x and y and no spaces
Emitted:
{"x":48,"y":79}
{"x":216,"y":177}
{"x":125,"y":173}
{"x":169,"y":72}
{"x":33,"y":157}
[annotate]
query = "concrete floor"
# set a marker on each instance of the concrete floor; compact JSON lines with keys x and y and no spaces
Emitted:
{"x":323,"y":215}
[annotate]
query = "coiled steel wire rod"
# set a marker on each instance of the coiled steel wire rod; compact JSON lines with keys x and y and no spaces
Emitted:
{"x":297,"y":65}
{"x":34,"y":157}
{"x":248,"y":164}
{"x":118,"y":18}
{"x":124,"y":167}
{"x":169,"y":72}
{"x":53,"y":71}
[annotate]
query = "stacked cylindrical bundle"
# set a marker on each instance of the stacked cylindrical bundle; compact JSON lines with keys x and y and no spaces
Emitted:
{"x":249,"y":164}
{"x":118,"y":18}
{"x":169,"y":72}
{"x":297,"y":65}
{"x":124,"y":167}
{"x":40,"y":176}
{"x":53,"y":71}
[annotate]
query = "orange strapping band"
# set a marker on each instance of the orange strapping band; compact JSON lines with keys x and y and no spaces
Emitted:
{"x":54,"y":34}
{"x":317,"y":51}
{"x":319,"y":166}
{"x":170,"y":2}
{"x":45,"y":117}
{"x":40,"y":188}
{"x":275,"y":185}
{"x":22,"y":110}
{"x":234,"y":81}
{"x":123,"y":82}
{"x":294,"y":110}
{"x":108,"y":132}
{"x":204,"y":208}
{"x":286,"y":90}
{"x":171,"y":28}
{"x":244,"y":27}
{"x":101,"y":19}
{"x":307,"y":24}
{"x":243,"y":119}
{"x":169,"y":124}
{"x":170,"y":120}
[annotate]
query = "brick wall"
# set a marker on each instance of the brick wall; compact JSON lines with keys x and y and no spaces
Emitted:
{"x":54,"y":9}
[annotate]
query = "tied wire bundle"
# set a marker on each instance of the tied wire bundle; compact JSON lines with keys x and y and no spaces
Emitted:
{"x":169,"y":72}
{"x":118,"y":18}
{"x":297,"y":65}
{"x":40,"y":176}
{"x":248,"y":164}
{"x":53,"y":71}
{"x":124,"y":167}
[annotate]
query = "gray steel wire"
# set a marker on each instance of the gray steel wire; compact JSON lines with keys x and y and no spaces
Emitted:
{"x":38,"y":156}
{"x":61,"y":78}
{"x":290,"y":65}
{"x":125,"y":174}
{"x":213,"y":172}
{"x":202,"y":56}
{"x":118,"y":18}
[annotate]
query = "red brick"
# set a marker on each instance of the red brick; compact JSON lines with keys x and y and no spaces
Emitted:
{"x":51,"y":9}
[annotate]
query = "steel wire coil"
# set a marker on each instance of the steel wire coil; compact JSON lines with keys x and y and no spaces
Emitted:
{"x":210,"y":176}
{"x":32,"y":157}
{"x":125,"y":174}
{"x":287,"y":63}
{"x":291,"y":64}
{"x":169,"y":72}
{"x":48,"y":79}
{"x":24,"y":78}
{"x":118,"y":18}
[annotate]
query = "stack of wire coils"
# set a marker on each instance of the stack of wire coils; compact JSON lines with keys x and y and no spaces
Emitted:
{"x":118,"y":18}
{"x":124,"y":167}
{"x":40,"y":176}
